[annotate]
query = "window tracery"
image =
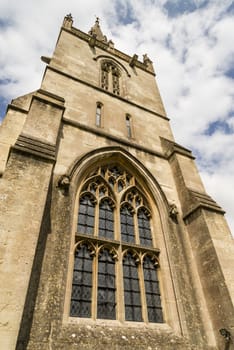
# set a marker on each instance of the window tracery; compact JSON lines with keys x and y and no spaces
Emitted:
{"x":114,"y":234}
{"x":110,"y":77}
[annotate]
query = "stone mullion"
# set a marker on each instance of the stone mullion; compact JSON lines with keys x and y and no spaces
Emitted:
{"x":119,"y":268}
{"x":120,"y":310}
{"x":136,"y":228}
{"x":94,"y":284}
{"x":96,"y":218}
{"x":142,"y":289}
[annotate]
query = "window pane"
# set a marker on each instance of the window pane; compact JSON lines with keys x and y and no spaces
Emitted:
{"x":132,"y":298}
{"x":86,"y":216}
{"x":152,"y":291}
{"x":127,"y":225}
{"x":144,"y":228}
{"x":106,"y":286}
{"x":82,"y":284}
{"x":106,"y":220}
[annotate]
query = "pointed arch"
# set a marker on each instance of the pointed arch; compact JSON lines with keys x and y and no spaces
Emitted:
{"x":106,"y":57}
{"x":119,"y":165}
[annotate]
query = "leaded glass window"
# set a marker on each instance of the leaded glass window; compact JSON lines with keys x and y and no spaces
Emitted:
{"x":132,"y":295}
{"x":86,"y":214}
{"x":106,"y":219}
{"x":82,"y":283}
{"x":114,"y":242}
{"x":152,"y":292}
{"x":144,"y":227}
{"x":106,"y":298}
{"x":127,"y":224}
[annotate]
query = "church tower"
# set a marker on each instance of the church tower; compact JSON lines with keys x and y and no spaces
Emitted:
{"x":108,"y":237}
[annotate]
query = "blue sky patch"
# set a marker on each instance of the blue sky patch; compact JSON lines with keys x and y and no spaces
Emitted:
{"x":230,"y":72}
{"x":175,"y":8}
{"x":5,"y":22}
{"x":124,"y":13}
{"x":230,"y":9}
{"x":3,"y":106}
{"x":218,"y":125}
{"x":5,"y":81}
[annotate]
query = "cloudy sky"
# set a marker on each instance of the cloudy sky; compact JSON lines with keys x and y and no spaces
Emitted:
{"x":190,"y":43}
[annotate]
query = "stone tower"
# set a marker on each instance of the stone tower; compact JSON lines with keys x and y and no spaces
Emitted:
{"x":108,"y":238}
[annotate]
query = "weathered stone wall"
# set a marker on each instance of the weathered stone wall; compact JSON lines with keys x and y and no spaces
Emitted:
{"x":23,"y":189}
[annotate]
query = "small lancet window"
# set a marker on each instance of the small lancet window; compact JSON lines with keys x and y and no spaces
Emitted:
{"x":128,"y":125}
{"x":99,"y":108}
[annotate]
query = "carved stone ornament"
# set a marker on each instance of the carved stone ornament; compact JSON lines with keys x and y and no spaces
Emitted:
{"x":68,"y":21}
{"x":64,"y":183}
{"x":69,"y":17}
{"x":147,"y":62}
{"x":173,"y":211}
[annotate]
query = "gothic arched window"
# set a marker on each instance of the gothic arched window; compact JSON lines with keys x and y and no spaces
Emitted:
{"x":110,"y":77}
{"x":114,"y":242}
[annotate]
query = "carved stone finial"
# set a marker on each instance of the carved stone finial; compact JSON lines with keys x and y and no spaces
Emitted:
{"x":68,"y":21}
{"x":96,"y":30}
{"x":111,"y":44}
{"x":147,"y":62}
{"x":64,"y":183}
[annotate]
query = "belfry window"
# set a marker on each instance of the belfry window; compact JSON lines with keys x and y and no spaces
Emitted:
{"x":110,"y":77}
{"x":115,"y":260}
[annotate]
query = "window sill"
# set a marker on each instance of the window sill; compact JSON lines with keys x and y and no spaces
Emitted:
{"x":116,"y":323}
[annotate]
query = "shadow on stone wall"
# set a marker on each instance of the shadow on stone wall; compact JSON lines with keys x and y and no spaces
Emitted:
{"x":27,"y":317}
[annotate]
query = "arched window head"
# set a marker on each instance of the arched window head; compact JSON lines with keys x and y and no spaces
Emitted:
{"x":110,"y":77}
{"x":99,"y":108}
{"x":114,"y":226}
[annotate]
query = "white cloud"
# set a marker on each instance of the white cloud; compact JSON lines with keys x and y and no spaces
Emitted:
{"x":191,"y":53}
